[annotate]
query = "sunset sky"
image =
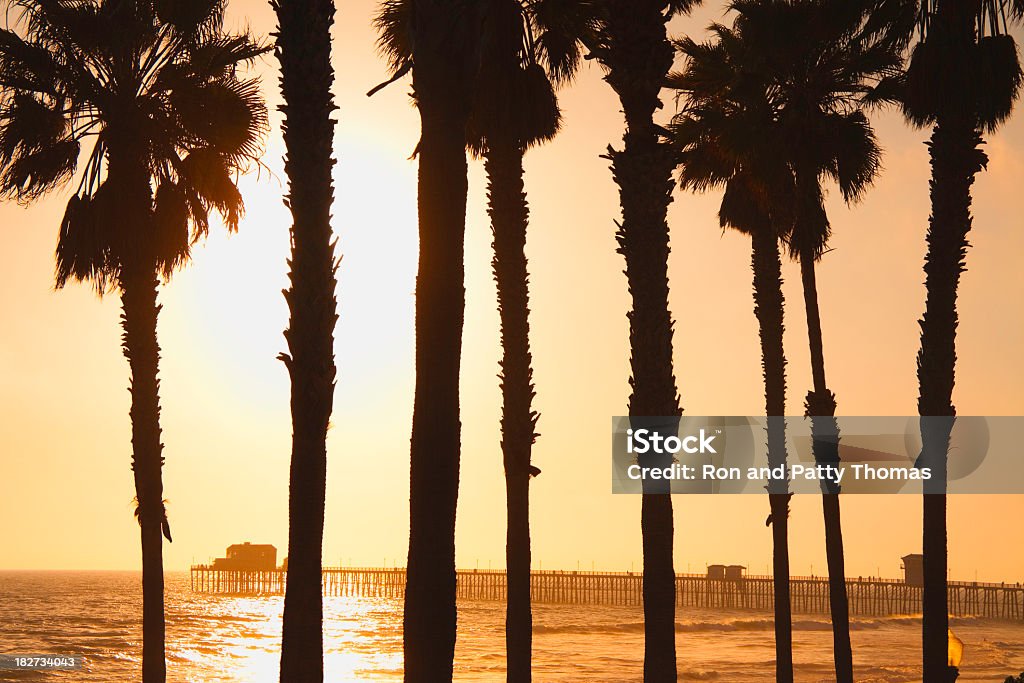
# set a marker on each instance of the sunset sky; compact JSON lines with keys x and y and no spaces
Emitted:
{"x":65,"y":481}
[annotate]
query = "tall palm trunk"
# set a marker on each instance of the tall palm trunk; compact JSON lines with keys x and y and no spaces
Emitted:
{"x":821,"y":408}
{"x":509,"y":217}
{"x":304,"y":51}
{"x":768,"y":307}
{"x":440,"y":82}
{"x":955,"y":160}
{"x":638,"y":61}
{"x":139,"y":343}
{"x":128,"y":174}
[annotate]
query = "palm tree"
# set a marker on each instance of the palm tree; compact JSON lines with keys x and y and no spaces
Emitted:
{"x":513,"y":108}
{"x":152,"y":91}
{"x":729,"y":136}
{"x":962,"y":80}
{"x":628,"y":38}
{"x":822,"y":62}
{"x":304,"y":51}
{"x":437,"y":41}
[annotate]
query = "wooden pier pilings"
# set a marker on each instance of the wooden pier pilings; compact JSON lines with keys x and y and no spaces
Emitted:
{"x":809,"y":595}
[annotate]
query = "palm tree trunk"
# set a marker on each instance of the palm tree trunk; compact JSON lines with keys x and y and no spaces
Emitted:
{"x":768,"y":308}
{"x":128,"y":174}
{"x":430,"y":614}
{"x":304,"y":51}
{"x":810,"y":291}
{"x":638,"y":62}
{"x":139,"y":343}
{"x":509,"y":218}
{"x":441,"y":84}
{"x":820,"y":406}
{"x":779,"y":505}
{"x":956,"y":159}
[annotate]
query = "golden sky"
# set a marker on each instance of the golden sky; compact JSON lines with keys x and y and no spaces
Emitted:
{"x":65,"y":482}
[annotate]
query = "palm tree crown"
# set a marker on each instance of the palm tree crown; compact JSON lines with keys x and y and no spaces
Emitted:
{"x":964,"y":62}
{"x":156,"y":81}
{"x":819,"y":62}
{"x":728,"y":135}
{"x":522,"y":51}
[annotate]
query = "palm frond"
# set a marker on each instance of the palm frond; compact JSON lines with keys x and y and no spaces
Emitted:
{"x":563,"y":28}
{"x":745,"y":205}
{"x":677,"y":7}
{"x":83,"y":248}
{"x":208,"y":174}
{"x":811,"y":229}
{"x":853,"y":158}
{"x":27,"y":125}
{"x":396,"y":28}
{"x":228,"y":115}
{"x":997,"y":80}
{"x":171,"y":217}
{"x":192,"y":19}
{"x":31,"y":174}
{"x":893,"y":22}
{"x":220,"y":55}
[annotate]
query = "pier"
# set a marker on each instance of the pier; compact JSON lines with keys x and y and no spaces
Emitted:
{"x":809,"y":595}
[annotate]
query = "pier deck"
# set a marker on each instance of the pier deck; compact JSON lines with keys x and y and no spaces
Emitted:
{"x":867,"y":597}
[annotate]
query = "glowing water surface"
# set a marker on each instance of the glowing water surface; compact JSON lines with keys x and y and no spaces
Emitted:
{"x":220,"y":639}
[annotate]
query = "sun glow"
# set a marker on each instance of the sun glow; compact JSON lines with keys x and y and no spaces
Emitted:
{"x":228,"y":310}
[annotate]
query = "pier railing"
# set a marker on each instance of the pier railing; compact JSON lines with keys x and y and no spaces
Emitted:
{"x":809,"y":595}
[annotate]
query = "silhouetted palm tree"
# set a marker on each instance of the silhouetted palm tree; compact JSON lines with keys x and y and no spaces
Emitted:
{"x":963,"y":78}
{"x":821,"y":60}
{"x":304,"y":51}
{"x":153,"y":88}
{"x":437,"y":41}
{"x":514,"y":108}
{"x":628,"y":38}
{"x":729,"y":135}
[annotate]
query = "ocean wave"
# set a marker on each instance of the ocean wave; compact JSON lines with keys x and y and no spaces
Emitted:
{"x":730,"y":625}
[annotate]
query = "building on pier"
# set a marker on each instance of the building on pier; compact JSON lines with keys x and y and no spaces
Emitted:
{"x":248,"y":557}
{"x":726,"y":572}
{"x":913,"y":570}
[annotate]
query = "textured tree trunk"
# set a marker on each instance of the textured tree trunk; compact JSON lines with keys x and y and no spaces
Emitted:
{"x":638,"y":61}
{"x":509,"y":218}
{"x":128,"y":174}
{"x":139,"y":343}
{"x":956,"y":159}
{"x":441,"y":84}
{"x":768,"y":308}
{"x":838,"y":601}
{"x":304,"y":51}
{"x":779,"y":504}
{"x":820,"y":406}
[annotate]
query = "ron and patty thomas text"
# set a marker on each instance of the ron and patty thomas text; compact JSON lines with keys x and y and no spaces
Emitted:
{"x":643,"y":441}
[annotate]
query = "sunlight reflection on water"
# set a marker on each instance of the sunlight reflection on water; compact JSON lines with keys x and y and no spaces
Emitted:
{"x":221,"y":639}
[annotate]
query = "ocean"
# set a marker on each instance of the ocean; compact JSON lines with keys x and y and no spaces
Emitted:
{"x":220,"y":639}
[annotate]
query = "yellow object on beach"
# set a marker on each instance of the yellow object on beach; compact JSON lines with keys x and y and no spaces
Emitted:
{"x":956,"y":650}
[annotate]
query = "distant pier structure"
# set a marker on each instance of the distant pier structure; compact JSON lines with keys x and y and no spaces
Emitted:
{"x":248,"y":557}
{"x":717,"y":589}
